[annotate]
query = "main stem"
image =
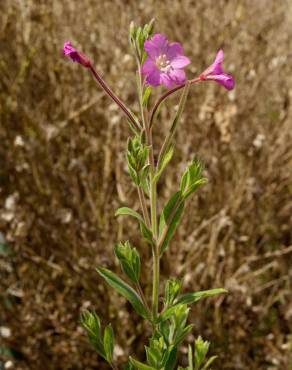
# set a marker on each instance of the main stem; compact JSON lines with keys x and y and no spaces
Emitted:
{"x":153,"y":204}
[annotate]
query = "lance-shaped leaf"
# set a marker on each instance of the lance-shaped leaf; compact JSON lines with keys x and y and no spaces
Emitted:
{"x":170,"y":219}
{"x":124,"y":289}
{"x":90,"y":321}
{"x":108,"y":343}
{"x":130,"y":212}
{"x":146,"y":96}
{"x":189,"y":298}
{"x":140,"y":366}
{"x":164,"y":162}
{"x":130,"y":260}
{"x":196,"y":296}
{"x":209,"y":363}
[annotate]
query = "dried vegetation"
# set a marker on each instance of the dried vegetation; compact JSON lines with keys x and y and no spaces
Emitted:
{"x":63,"y":175}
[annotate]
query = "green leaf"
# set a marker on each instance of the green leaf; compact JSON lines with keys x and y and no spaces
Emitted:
{"x":172,"y":289}
{"x":196,"y":296}
{"x":147,"y":233}
{"x":192,"y":178}
{"x":183,"y":334}
{"x":108,"y":343}
{"x":209,"y":362}
{"x":129,"y":366}
{"x":201,"y":350}
{"x":125,"y":290}
{"x":171,"y":360}
{"x":129,"y":259}
{"x":139,"y":365}
{"x":164,"y":162}
{"x":146,"y":96}
{"x":126,"y":211}
{"x":90,"y":321}
{"x":190,"y":358}
{"x":188,"y":299}
{"x":170,"y":219}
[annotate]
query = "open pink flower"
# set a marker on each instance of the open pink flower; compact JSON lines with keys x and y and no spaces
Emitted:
{"x":165,"y":62}
{"x":75,"y":55}
{"x":215,"y":73}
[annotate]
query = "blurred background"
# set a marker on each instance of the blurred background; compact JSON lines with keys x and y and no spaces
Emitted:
{"x":63,"y":175}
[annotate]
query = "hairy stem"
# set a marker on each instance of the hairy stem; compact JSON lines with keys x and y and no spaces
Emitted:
{"x":153,"y":200}
{"x":175,"y":123}
{"x":156,"y":278}
{"x":144,"y":206}
{"x":138,"y":286}
{"x":114,"y":97}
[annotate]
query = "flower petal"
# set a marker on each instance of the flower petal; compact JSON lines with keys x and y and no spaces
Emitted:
{"x":153,"y":78}
{"x":166,"y":80}
{"x":224,"y":79}
{"x":75,"y":55}
{"x":160,"y":41}
{"x":174,"y":49}
{"x":180,"y":61}
{"x":178,"y":76}
{"x":148,"y":66}
{"x":219,"y":57}
{"x":151,"y":49}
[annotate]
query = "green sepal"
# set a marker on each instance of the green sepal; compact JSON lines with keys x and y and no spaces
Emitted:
{"x":125,"y":290}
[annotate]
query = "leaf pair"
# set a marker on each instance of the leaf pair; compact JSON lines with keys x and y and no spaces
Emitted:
{"x":138,"y":36}
{"x":137,"y":158}
{"x":104,"y":345}
{"x":169,"y":220}
{"x":198,"y":361}
{"x":172,"y":213}
{"x":192,"y":178}
{"x":130,"y":260}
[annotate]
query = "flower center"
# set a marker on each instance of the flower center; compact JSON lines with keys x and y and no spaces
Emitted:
{"x":163,"y":63}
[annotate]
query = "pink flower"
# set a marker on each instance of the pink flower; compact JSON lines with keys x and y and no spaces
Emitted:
{"x":165,"y":62}
{"x":75,"y":55}
{"x":215,"y":73}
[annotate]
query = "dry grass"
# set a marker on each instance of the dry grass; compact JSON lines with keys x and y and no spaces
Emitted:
{"x":62,"y":176}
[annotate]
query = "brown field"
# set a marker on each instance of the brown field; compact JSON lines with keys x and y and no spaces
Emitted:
{"x":63,"y":175}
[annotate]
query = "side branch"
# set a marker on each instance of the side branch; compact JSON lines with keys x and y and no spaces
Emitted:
{"x":118,"y":101}
{"x":166,"y":95}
